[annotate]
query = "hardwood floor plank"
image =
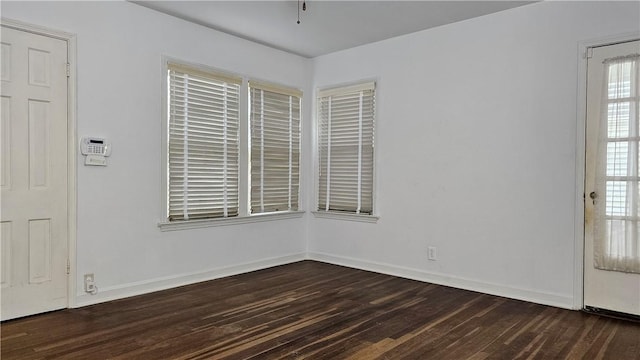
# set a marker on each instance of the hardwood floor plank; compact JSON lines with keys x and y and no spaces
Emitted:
{"x":312,"y":310}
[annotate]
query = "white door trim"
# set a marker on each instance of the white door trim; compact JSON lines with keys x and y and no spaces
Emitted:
{"x":70,"y":39}
{"x":581,"y":112}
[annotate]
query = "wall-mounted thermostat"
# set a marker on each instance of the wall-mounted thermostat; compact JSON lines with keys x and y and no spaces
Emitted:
{"x":96,"y":150}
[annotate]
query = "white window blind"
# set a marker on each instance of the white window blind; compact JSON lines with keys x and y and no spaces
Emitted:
{"x":346,"y":140}
{"x":203,"y":144}
{"x":275,"y":148}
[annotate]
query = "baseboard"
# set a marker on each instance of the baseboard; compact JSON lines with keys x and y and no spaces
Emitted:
{"x":148,"y":286}
{"x":560,"y":301}
{"x":158,"y":284}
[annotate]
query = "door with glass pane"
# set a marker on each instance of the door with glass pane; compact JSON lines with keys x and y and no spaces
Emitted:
{"x":612,"y":194}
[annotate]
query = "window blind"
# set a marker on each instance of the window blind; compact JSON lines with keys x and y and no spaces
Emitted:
{"x":203,"y":144}
{"x":275,"y":148}
{"x":346,"y":142}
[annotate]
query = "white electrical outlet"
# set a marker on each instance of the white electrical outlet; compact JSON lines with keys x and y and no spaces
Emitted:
{"x":432,"y":253}
{"x":90,"y":284}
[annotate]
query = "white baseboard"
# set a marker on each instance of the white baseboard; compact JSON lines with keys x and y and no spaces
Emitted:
{"x":148,"y":286}
{"x":556,"y":300}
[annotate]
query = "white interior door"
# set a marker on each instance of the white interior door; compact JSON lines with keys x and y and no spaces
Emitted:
{"x":33,"y":174}
{"x":612,"y":201}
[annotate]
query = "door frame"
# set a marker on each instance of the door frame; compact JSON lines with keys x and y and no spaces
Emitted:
{"x":580,"y":166}
{"x":70,"y":39}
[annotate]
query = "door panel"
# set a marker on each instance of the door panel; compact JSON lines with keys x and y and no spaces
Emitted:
{"x":612,"y":179}
{"x":33,"y":217}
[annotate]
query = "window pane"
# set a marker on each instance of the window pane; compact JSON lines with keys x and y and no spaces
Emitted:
{"x":618,"y":116}
{"x":619,"y":82}
{"x":617,"y":232}
{"x":616,"y":204}
{"x":617,"y":158}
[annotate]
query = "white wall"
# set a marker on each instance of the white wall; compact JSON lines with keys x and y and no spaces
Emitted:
{"x":119,"y":50}
{"x":476,"y":150}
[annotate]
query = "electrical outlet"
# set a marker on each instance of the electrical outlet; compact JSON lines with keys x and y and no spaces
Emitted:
{"x":432,"y":253}
{"x":89,"y":284}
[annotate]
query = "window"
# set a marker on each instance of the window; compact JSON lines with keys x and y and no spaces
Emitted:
{"x":275,"y":148}
{"x":225,"y":163}
{"x":346,"y":142}
{"x":617,"y":243}
{"x":203,"y":144}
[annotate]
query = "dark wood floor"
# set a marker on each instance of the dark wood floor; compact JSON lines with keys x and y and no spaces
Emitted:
{"x":318,"y":311}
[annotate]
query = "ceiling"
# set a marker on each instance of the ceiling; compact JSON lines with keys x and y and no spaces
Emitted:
{"x":326,"y":26}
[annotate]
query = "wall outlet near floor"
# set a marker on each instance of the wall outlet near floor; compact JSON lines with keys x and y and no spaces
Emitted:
{"x":90,"y":284}
{"x":432,"y":253}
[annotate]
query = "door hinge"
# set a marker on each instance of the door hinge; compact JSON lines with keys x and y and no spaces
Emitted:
{"x":68,"y":266}
{"x":589,"y":53}
{"x":68,"y":70}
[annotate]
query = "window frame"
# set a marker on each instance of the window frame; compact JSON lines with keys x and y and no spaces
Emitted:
{"x":244,"y":216}
{"x":342,"y":215}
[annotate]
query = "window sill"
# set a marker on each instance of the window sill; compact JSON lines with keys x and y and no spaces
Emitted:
{"x":202,"y":223}
{"x":344,"y":216}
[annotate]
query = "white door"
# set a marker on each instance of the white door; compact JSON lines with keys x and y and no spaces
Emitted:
{"x":612,"y":201}
{"x":33,"y":174}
